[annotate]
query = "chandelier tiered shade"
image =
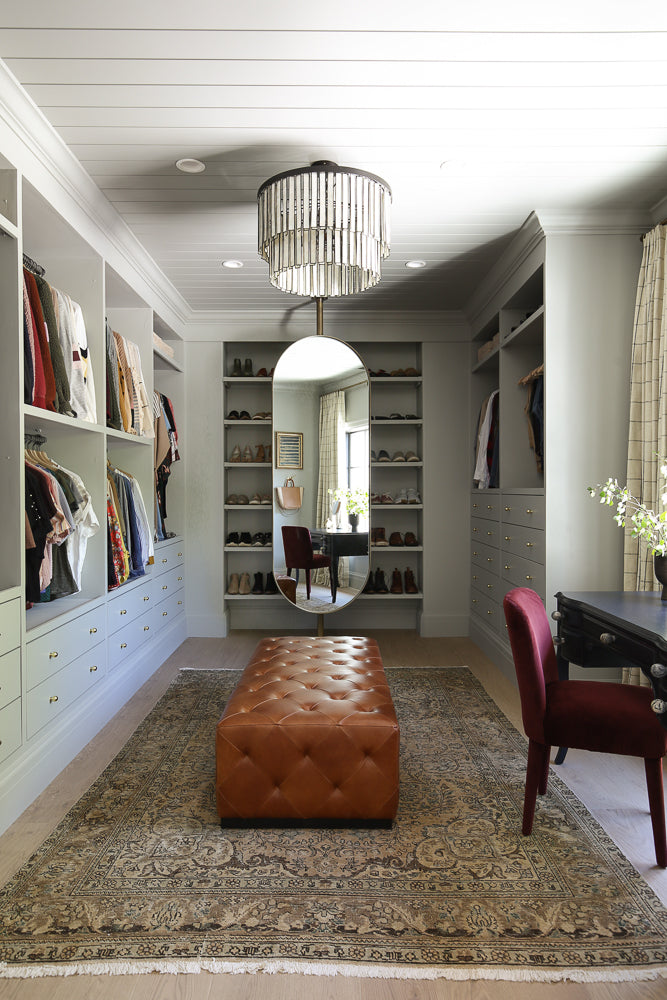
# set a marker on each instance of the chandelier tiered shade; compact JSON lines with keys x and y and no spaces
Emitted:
{"x":324,"y":229}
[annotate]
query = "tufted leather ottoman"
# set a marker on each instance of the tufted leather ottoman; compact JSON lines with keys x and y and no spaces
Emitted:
{"x":310,"y":732}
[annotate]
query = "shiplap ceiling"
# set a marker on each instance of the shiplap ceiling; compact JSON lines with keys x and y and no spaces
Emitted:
{"x":475,"y":117}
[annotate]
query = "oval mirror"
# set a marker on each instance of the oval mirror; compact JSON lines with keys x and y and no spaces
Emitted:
{"x":321,"y":466}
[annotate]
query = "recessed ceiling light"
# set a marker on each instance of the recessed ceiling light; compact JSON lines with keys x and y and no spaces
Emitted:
{"x":231,"y":264}
{"x":415,"y":263}
{"x":190,"y":166}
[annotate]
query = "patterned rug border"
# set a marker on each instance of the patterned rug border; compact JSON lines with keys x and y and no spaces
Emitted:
{"x":361,"y":970}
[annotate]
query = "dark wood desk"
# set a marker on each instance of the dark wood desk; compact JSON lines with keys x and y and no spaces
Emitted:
{"x":615,"y":629}
{"x":337,"y":544}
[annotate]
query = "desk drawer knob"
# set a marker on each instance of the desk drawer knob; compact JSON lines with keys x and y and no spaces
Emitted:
{"x":559,"y":640}
{"x":658,"y":670}
{"x":557,"y":616}
{"x":607,"y":638}
{"x":659,"y":706}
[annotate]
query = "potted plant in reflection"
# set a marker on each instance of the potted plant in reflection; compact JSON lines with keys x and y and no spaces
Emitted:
{"x":643,"y":522}
{"x":355,"y":502}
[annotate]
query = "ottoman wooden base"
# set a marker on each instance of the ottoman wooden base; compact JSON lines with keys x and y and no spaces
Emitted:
{"x":309,"y":733}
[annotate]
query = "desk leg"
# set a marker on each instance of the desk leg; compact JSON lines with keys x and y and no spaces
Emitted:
{"x":563,"y":675}
{"x":334,"y":578}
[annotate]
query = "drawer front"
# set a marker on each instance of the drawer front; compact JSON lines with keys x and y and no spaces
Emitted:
{"x":168,"y":556}
{"x":46,"y":701}
{"x":10,"y":729}
{"x":485,"y":530}
{"x":10,"y":625}
{"x":53,"y":651}
{"x":126,"y":607}
{"x":523,"y":509}
{"x":486,"y":582}
{"x":10,"y":677}
{"x":169,"y":609}
{"x":487,"y":610}
{"x":486,"y":557}
{"x":489,"y":507}
{"x":524,"y":573}
{"x":168,"y":583}
{"x":526,"y":542}
{"x":126,"y":641}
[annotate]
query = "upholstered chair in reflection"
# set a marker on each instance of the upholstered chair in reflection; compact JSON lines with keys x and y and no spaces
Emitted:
{"x":299,"y":553}
{"x":582,"y":715}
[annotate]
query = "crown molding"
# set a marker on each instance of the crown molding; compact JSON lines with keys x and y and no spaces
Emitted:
{"x":594,"y":222}
{"x":46,"y":162}
{"x":659,"y":212}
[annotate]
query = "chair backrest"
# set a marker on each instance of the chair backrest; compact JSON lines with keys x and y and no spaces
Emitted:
{"x":298,"y":546}
{"x":534,"y":657}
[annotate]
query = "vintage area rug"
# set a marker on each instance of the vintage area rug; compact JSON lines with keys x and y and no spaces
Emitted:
{"x":140,"y":877}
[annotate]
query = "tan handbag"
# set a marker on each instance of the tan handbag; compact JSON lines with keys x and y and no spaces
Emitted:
{"x":289,"y":496}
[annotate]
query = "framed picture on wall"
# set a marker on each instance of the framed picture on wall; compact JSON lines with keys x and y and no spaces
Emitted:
{"x":289,"y":450}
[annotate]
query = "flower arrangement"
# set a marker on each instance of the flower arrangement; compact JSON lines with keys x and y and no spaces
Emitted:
{"x":645,"y":523}
{"x":356,"y":501}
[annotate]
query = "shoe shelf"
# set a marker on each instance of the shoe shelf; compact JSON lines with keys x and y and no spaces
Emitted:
{"x":247,"y":506}
{"x":397,"y":548}
{"x":247,"y":465}
{"x":254,"y":597}
{"x":397,"y":465}
{"x":248,"y":379}
{"x":395,"y":421}
{"x":392,"y":597}
{"x":397,"y":506}
{"x":247,"y":423}
{"x":248,"y":548}
{"x":397,"y":379}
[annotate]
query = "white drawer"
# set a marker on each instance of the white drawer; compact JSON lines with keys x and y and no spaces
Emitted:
{"x":487,"y":583}
{"x":519,"y":508}
{"x":485,"y":530}
{"x":125,"y":607}
{"x":10,"y":625}
{"x":10,"y":729}
{"x":10,"y":677}
{"x":488,"y":610}
{"x":46,"y":701}
{"x":168,"y":556}
{"x":170,"y":608}
{"x":524,"y":573}
{"x":485,"y":506}
{"x":54,"y":650}
{"x":126,"y":641}
{"x":526,"y":542}
{"x":486,"y":557}
{"x":168,"y":583}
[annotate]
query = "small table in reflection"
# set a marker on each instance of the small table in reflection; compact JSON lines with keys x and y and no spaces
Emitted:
{"x":336,"y":544}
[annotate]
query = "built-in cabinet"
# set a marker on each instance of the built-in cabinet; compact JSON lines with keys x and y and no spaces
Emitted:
{"x":562,"y":299}
{"x":67,"y":664}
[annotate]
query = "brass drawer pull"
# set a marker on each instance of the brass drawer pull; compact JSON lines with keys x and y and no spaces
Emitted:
{"x":179,"y":554}
{"x":164,"y":587}
{"x":123,"y":645}
{"x":489,"y":612}
{"x":52,"y":656}
{"x":475,"y":506}
{"x":475,"y":530}
{"x":92,"y":631}
{"x":508,"y":567}
{"x":508,"y":538}
{"x":529,"y":511}
{"x":164,"y":614}
{"x":474,"y":553}
{"x":179,"y":602}
{"x":164,"y":560}
{"x":475,"y":601}
{"x":179,"y":578}
{"x":489,"y":506}
{"x":489,"y":558}
{"x":146,"y":628}
{"x":529,"y":578}
{"x":508,"y":509}
{"x":489,"y":532}
{"x":53,"y":699}
{"x":123,"y":612}
{"x":147,"y":598}
{"x":489,"y":586}
{"x":529,"y":545}
{"x":93,"y":669}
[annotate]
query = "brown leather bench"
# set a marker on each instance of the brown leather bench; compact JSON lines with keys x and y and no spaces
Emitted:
{"x":309,"y":733}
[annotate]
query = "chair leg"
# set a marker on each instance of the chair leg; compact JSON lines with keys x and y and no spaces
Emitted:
{"x":656,"y":800}
{"x":544,"y":779}
{"x":535,"y":772}
{"x":308,"y":584}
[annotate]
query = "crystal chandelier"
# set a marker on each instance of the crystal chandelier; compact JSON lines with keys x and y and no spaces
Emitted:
{"x":324,"y":229}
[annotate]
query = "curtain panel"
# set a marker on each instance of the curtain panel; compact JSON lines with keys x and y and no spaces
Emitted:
{"x":332,"y":471}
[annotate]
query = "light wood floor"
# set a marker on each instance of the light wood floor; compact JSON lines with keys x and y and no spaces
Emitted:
{"x":613,"y":789}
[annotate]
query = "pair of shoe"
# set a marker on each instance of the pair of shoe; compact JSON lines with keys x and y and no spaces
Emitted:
{"x":407,"y":496}
{"x":235,"y":499}
{"x":236,"y":415}
{"x":377,"y":498}
{"x":246,"y":455}
{"x":241,"y":584}
{"x":260,"y":498}
{"x":245,"y":539}
{"x":244,"y":371}
{"x":410,"y":539}
{"x":378,"y":537}
{"x":397,"y":583}
{"x":376,"y":583}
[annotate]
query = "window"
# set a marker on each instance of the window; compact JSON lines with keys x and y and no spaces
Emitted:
{"x":357,"y":459}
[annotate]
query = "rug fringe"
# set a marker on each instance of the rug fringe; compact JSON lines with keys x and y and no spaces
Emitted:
{"x":218,"y":967}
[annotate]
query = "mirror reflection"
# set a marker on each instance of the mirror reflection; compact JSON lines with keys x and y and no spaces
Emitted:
{"x":321,"y":459}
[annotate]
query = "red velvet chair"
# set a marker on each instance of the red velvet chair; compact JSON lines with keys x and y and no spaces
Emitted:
{"x":583,"y":715}
{"x":299,"y":553}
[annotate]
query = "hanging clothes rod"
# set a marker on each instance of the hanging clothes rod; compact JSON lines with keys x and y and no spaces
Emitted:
{"x":33,"y":266}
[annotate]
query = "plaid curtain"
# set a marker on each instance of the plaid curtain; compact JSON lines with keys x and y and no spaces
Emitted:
{"x":332,"y":471}
{"x":647,"y":445}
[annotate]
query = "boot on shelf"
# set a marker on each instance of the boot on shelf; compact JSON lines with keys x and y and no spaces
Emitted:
{"x":396,"y":582}
{"x":233,"y":587}
{"x":261,"y":454}
{"x":271,"y":585}
{"x":369,"y":586}
{"x":380,"y":585}
{"x":237,"y":370}
{"x":244,"y":584}
{"x":247,"y":368}
{"x":247,"y":454}
{"x":258,"y":586}
{"x":410,"y":583}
